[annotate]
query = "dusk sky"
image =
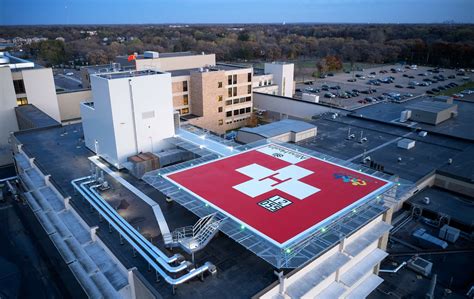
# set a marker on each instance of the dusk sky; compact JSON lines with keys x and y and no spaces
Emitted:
{"x":13,"y":12}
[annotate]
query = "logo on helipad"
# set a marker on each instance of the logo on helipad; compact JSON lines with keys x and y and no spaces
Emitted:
{"x":286,"y":179}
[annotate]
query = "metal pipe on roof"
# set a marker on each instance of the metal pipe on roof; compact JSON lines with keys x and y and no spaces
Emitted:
{"x":161,"y":257}
{"x":173,"y":281}
{"x":394,"y":270}
{"x":8,"y":179}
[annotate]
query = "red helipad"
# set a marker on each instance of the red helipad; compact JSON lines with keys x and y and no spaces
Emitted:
{"x":277,"y":192}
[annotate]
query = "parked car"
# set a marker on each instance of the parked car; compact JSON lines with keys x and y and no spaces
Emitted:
{"x":329,"y":95}
{"x":398,"y":86}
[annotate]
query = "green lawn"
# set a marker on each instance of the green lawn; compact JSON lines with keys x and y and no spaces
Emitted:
{"x":457,"y":89}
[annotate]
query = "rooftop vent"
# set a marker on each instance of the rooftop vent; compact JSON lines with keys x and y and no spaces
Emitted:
{"x":151,"y":54}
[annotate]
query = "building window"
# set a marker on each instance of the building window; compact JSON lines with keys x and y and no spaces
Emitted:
{"x":184,"y":111}
{"x":248,"y":99}
{"x":236,"y":101}
{"x":247,"y":110}
{"x":185,"y":99}
{"x":229,"y":92}
{"x":249,"y":89}
{"x":249,"y":77}
{"x":228,"y":113}
{"x":235,"y":91}
{"x":221,"y":122}
{"x":260,"y":83}
{"x":219,"y":98}
{"x":234,"y":79}
{"x":185,"y":85}
{"x":236,"y":112}
{"x":228,"y":102}
{"x":219,"y":109}
{"x":19,"y":86}
{"x":242,"y":110}
{"x":229,"y":80}
{"x":242,"y":100}
{"x":219,"y":84}
{"x":21,"y":101}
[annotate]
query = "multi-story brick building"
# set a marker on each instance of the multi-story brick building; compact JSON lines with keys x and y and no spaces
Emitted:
{"x":213,"y":96}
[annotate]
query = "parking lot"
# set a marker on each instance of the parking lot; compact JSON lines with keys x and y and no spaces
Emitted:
{"x":385,"y":83}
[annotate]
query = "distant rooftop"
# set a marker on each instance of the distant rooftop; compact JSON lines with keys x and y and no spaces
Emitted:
{"x":213,"y":68}
{"x":280,"y":127}
{"x":165,"y":55}
{"x":30,"y":117}
{"x":430,"y":106}
{"x":15,"y":63}
{"x":127,"y":74}
{"x":458,"y":127}
{"x":258,"y":71}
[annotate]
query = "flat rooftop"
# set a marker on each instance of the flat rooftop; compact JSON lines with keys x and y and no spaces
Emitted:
{"x":430,"y":106}
{"x":280,"y":127}
{"x":230,"y":67}
{"x":460,"y":208}
{"x":213,"y":68}
{"x":459,"y":126}
{"x":165,"y":55}
{"x":127,"y":74}
{"x":61,"y":152}
{"x":31,"y":117}
{"x":16,"y":63}
{"x":429,"y":154}
{"x":278,"y":193}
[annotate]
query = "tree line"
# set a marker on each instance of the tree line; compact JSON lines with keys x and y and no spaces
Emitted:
{"x":446,"y":45}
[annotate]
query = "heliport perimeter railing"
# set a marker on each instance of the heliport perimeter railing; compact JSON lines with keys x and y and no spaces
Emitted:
{"x":300,"y":251}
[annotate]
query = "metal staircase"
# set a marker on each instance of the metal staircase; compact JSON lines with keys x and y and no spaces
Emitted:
{"x":196,"y":237}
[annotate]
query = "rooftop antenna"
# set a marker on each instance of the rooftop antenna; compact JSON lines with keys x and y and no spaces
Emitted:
{"x":349,"y":135}
{"x":362,"y":139}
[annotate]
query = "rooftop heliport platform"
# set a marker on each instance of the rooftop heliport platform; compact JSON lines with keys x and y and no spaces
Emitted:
{"x":284,"y":203}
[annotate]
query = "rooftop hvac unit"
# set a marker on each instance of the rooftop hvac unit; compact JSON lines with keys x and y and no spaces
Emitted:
{"x":420,"y":265}
{"x":405,"y":115}
{"x":429,"y":240}
{"x":423,"y":134}
{"x":449,"y":233}
{"x":406,"y":143}
{"x":151,"y":54}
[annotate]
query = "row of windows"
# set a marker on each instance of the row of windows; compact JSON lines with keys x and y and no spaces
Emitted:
{"x":265,"y":83}
{"x":232,"y":91}
{"x":238,"y":111}
{"x":21,"y":101}
{"x":232,"y":79}
{"x":229,"y":121}
{"x":237,"y":101}
{"x":19,"y":86}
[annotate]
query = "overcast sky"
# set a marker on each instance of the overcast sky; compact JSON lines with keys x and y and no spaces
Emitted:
{"x":13,"y":12}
